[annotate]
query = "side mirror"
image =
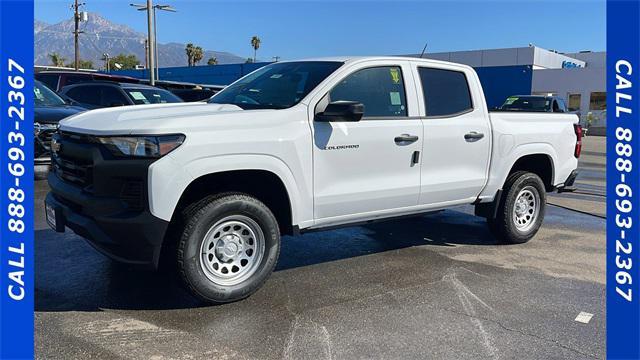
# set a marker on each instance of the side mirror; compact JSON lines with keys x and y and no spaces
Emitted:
{"x":341,"y":111}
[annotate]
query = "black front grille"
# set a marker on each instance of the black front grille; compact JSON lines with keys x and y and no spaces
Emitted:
{"x":73,"y":171}
{"x":74,"y":166}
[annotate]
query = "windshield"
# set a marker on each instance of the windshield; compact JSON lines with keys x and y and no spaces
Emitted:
{"x":276,"y":86}
{"x":151,"y":96}
{"x":526,"y":103}
{"x":43,"y":96}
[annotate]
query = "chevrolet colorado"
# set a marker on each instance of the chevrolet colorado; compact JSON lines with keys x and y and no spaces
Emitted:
{"x":299,"y":146}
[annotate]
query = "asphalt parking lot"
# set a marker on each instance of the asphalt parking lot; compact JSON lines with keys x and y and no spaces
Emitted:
{"x":436,"y":286}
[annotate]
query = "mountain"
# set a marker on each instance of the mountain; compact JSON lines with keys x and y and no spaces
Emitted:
{"x":103,"y":36}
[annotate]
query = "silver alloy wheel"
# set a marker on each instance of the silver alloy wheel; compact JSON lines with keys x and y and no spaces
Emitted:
{"x":526,"y":208}
{"x":232,"y":250}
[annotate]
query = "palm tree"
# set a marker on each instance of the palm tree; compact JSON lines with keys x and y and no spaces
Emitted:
{"x":255,"y":44}
{"x":198,"y":54}
{"x":189,"y":50}
{"x":212,"y":61}
{"x":56,"y":59}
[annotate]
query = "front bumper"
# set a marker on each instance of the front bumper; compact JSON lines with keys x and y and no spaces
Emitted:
{"x":105,"y":201}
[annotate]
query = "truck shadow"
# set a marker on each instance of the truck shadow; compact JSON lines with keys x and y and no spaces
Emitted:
{"x":71,"y":276}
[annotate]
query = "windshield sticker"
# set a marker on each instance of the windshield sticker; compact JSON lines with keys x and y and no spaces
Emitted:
{"x":137,"y":95}
{"x":38,"y":94}
{"x":395,"y":98}
{"x":395,"y":75}
{"x":510,"y":100}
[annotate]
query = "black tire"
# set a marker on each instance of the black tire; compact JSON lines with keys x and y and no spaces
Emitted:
{"x":209,"y":214}
{"x":512,"y":229}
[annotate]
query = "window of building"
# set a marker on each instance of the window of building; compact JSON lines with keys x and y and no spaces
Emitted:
{"x":445,"y":92}
{"x":574,"y":102}
{"x":598,"y":101}
{"x":379,"y":89}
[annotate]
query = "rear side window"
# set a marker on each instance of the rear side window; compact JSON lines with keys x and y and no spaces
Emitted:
{"x":445,"y":92}
{"x":50,"y":80}
{"x":85,"y":94}
{"x":379,"y":89}
{"x":76,"y":79}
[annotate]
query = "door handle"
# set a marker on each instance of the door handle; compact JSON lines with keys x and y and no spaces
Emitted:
{"x":473,"y":136}
{"x":405,"y":139}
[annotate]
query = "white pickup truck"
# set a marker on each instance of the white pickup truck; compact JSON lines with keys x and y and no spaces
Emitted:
{"x":299,"y":146}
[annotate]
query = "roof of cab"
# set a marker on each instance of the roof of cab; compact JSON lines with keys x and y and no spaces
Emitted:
{"x":352,"y":59}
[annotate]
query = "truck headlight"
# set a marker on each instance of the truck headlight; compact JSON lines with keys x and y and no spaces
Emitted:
{"x":141,"y":146}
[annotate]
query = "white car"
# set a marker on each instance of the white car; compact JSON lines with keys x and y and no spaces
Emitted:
{"x":299,"y":146}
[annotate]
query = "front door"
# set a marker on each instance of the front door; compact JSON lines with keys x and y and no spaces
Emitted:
{"x":368,"y":166}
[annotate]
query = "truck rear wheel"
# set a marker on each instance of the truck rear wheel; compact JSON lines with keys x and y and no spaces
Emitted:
{"x":228,"y":248}
{"x":521,"y":209}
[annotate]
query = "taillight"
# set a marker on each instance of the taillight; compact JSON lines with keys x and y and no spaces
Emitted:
{"x":578,"y":130}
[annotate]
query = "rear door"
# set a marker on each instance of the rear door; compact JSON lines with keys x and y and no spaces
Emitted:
{"x":366,"y":166}
{"x":457,"y":134}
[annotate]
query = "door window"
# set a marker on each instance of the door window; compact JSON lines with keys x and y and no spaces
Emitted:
{"x":446,"y":92}
{"x":112,"y":97}
{"x":379,"y":89}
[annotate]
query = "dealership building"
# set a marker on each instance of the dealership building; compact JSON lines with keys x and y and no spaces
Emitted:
{"x":579,"y":78}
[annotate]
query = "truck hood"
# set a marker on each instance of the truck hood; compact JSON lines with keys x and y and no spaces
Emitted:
{"x":143,"y":119}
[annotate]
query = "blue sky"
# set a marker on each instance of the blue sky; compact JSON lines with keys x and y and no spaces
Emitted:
{"x":297,"y":29}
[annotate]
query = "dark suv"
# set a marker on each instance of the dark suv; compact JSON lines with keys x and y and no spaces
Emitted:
{"x":49,"y":109}
{"x":100,"y":94}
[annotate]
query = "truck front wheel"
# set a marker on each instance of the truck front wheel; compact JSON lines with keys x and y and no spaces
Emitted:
{"x":228,"y":248}
{"x":521,"y":209}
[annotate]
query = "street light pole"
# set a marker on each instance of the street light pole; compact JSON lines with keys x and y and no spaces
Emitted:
{"x":154,"y":71}
{"x":152,"y":41}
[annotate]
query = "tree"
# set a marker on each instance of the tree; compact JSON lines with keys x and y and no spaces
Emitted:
{"x":125,"y":61}
{"x":83,"y":64}
{"x":212,"y":61}
{"x":189,"y":50}
{"x":56,"y":59}
{"x":255,"y":44}
{"x":249,"y":61}
{"x":198,"y":54}
{"x":194,"y":54}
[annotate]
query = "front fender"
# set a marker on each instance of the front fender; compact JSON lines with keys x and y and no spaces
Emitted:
{"x":166,"y":185}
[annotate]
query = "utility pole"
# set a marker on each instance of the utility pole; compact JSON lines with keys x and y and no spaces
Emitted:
{"x":76,"y":32}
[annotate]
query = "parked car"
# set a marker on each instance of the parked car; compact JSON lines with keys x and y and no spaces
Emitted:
{"x":56,"y":80}
{"x":100,"y":94}
{"x":534,"y":103}
{"x":188,"y":92}
{"x":49,"y":109}
{"x":301,"y":146}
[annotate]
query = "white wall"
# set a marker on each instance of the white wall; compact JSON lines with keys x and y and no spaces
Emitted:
{"x":582,"y":81}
